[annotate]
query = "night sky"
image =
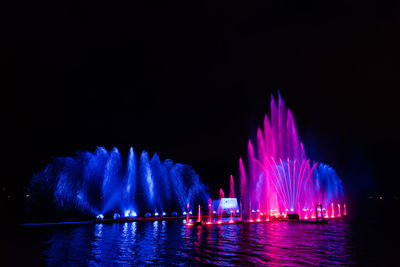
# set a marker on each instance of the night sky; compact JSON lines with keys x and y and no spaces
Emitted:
{"x":192,"y":81}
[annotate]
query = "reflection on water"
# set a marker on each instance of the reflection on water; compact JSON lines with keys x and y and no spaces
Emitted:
{"x":171,"y":242}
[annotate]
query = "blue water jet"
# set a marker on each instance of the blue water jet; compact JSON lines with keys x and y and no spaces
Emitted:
{"x":102,"y":183}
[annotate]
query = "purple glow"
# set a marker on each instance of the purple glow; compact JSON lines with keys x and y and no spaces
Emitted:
{"x":232,"y":187}
{"x":279,"y":177}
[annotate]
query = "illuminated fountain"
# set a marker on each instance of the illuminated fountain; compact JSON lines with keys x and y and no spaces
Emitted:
{"x":199,"y":214}
{"x":188,"y":221}
{"x":102,"y":183}
{"x":232,"y":192}
{"x":210,"y":211}
{"x":278,"y":179}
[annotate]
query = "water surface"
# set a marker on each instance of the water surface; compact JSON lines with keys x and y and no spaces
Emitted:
{"x":338,"y":243}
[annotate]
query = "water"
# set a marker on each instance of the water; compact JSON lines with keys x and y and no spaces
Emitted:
{"x":277,"y":176}
{"x":339,"y":243}
{"x":101,"y":182}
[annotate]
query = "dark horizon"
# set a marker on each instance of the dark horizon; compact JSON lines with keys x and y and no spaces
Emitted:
{"x":192,"y":83}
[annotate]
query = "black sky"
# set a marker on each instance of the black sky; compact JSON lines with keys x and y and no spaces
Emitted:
{"x":192,"y":81}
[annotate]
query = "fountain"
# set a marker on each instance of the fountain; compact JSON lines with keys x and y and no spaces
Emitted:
{"x":232,"y":191}
{"x":101,"y":183}
{"x":199,"y":214}
{"x":188,"y":222}
{"x":232,"y":187}
{"x":210,"y":210}
{"x":276,"y":181}
{"x":278,"y":178}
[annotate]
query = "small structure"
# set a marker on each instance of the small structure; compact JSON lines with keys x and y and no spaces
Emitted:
{"x":226,"y":205}
{"x":293,"y":216}
{"x":317,"y":217}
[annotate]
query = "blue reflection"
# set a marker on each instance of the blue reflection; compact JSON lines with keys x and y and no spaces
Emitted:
{"x":172,"y":243}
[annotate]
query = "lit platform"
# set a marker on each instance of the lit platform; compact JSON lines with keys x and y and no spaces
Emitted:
{"x":207,"y":223}
{"x":130,"y":219}
{"x":194,"y":222}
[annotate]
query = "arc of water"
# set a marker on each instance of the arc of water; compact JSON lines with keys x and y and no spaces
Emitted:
{"x":308,"y":177}
{"x":300,"y":182}
{"x":278,"y":178}
{"x":290,"y":182}
{"x":286,"y":182}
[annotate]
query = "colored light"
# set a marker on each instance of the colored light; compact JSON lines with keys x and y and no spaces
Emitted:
{"x":100,"y":217}
{"x":128,"y":183}
{"x":129,"y":213}
{"x":278,"y":176}
{"x":228,"y":204}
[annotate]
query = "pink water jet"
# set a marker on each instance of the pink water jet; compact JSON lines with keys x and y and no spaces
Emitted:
{"x":278,"y":176}
{"x":199,"y":218}
{"x":232,"y":187}
{"x":232,"y":191}
{"x":188,"y":222}
{"x":210,"y":210}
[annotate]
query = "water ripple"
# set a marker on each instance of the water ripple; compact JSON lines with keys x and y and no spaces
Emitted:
{"x":172,"y":243}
